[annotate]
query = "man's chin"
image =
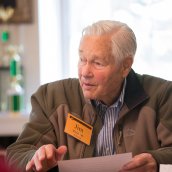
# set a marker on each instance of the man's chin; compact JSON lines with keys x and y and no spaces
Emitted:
{"x":88,"y":95}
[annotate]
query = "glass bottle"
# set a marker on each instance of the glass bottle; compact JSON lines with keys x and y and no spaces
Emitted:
{"x":15,"y":98}
{"x":15,"y":66}
{"x":15,"y":92}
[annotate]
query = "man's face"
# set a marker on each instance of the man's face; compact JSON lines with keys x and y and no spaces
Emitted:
{"x":100,"y":78}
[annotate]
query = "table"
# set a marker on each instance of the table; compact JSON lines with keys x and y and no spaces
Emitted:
{"x":12,"y":124}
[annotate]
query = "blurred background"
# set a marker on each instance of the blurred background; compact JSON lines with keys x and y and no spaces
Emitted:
{"x":39,"y":44}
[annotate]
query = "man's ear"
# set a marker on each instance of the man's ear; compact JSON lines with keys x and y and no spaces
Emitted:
{"x":127,"y":63}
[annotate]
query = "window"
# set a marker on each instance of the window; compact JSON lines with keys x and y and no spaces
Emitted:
{"x":150,"y":20}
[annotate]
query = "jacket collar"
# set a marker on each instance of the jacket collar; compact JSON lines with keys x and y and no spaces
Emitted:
{"x":134,"y":93}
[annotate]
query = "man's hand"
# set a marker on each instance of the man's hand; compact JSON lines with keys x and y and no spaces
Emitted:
{"x":45,"y":158}
{"x":141,"y":163}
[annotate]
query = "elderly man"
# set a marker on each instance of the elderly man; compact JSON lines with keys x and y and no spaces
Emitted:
{"x":123,"y":111}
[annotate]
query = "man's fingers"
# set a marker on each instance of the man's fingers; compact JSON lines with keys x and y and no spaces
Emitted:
{"x":60,"y":152}
{"x":137,"y":161}
{"x":144,"y":160}
{"x":38,"y":163}
{"x":45,"y":158}
{"x":40,"y":160}
{"x":29,"y":166}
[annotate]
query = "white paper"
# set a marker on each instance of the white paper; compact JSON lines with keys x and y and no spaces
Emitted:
{"x":165,"y":168}
{"x":111,"y":163}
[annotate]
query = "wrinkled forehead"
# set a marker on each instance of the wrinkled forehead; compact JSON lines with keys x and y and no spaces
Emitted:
{"x":95,"y":42}
{"x":96,"y":46}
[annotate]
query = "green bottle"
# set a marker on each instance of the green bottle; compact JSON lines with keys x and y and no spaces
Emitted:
{"x":15,"y":97}
{"x":15,"y":66}
{"x":5,"y":36}
{"x":15,"y":92}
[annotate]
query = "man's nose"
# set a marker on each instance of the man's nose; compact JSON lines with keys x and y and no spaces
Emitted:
{"x":87,"y":70}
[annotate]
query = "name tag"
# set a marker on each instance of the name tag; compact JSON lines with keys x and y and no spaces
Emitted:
{"x":78,"y":129}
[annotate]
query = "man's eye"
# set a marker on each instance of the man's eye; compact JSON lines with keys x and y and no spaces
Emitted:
{"x":98,"y":63}
{"x":82,"y":61}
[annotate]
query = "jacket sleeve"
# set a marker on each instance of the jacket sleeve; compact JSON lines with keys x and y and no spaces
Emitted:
{"x":37,"y":132}
{"x":163,"y":155}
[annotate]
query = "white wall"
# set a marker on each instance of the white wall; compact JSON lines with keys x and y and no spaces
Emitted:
{"x":28,"y":36}
{"x":50,"y":44}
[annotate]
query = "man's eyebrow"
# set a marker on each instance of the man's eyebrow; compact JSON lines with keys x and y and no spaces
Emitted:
{"x":80,"y":51}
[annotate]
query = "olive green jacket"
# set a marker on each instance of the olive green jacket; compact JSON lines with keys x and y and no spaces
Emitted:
{"x":144,"y":124}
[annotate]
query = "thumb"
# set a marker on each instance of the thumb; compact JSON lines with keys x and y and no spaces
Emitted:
{"x":60,"y":152}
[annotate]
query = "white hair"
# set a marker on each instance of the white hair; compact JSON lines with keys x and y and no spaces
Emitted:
{"x":123,"y":38}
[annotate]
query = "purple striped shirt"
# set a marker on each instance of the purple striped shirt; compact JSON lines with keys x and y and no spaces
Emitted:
{"x":109,"y":116}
